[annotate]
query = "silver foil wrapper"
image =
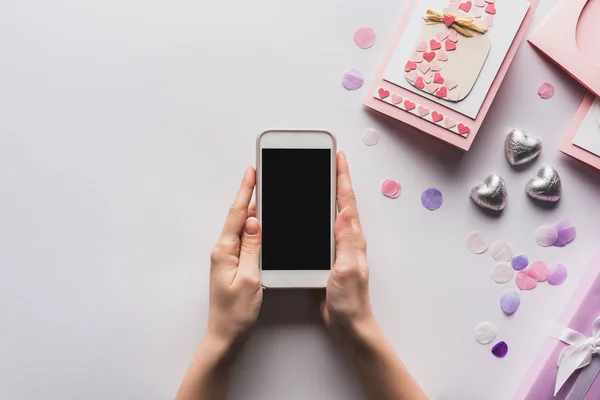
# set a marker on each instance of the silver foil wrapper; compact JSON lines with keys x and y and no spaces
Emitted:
{"x":521,"y":148}
{"x":491,"y":194}
{"x":545,"y":186}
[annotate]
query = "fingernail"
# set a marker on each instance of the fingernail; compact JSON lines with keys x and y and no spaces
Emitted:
{"x":251,"y":226}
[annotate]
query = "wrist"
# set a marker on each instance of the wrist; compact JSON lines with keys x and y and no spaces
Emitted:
{"x":216,"y":351}
{"x":360,"y":336}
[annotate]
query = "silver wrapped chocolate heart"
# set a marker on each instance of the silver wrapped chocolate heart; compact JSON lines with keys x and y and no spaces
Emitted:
{"x":521,"y":148}
{"x":491,"y":194}
{"x":545,"y":186}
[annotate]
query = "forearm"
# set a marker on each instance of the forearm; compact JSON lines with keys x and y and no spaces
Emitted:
{"x":378,"y":367}
{"x":208,"y":375}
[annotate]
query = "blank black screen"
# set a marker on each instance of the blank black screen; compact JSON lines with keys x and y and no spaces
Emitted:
{"x":296,"y":209}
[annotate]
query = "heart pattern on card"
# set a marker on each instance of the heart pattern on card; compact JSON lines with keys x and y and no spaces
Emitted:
{"x":410,"y":66}
{"x":411,"y":76}
{"x":431,"y":87}
{"x":419,"y":84}
{"x":383,"y":93}
{"x":453,"y":36}
{"x":449,"y":45}
{"x":442,"y":56}
{"x":463,"y":129}
{"x":435,"y":66}
{"x":409,"y":105}
{"x":466,"y":6}
{"x":490,"y":8}
{"x":437,"y":78}
{"x":396,"y":99}
{"x":442,"y":92}
{"x":424,"y":67}
{"x":450,"y":84}
{"x":429,"y":56}
{"x":434,"y":45}
{"x":428,"y":77}
{"x":416,"y":57}
{"x":436,"y":116}
{"x":421,"y":47}
{"x":441,"y":36}
{"x":479,"y":3}
{"x":449,"y":123}
{"x":423,"y":111}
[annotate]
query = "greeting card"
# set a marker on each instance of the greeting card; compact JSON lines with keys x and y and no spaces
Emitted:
{"x":574,"y":46}
{"x":583,"y":140}
{"x":446,"y":64}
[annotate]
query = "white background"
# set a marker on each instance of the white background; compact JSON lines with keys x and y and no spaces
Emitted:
{"x":125,"y":129}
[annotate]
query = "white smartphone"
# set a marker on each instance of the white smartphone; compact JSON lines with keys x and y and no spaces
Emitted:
{"x":296,"y":206}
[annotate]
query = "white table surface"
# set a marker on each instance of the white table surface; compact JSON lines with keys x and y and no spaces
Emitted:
{"x":125,"y":128}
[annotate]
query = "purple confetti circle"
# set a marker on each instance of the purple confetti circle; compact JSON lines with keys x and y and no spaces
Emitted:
{"x":510,"y":301}
{"x":557,"y":274}
{"x":500,"y":349}
{"x":566,"y":233}
{"x":352,"y":79}
{"x":432,"y":199}
{"x":519,"y":262}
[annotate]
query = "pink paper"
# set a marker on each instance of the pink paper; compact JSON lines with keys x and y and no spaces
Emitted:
{"x":579,"y":315}
{"x":468,"y":127}
{"x":567,"y":145}
{"x":575,"y":49}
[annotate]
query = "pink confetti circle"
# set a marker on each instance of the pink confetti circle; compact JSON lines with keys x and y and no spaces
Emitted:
{"x":527,"y":279}
{"x":546,"y":90}
{"x":352,"y":79}
{"x":557,"y":274}
{"x":390,"y":188}
{"x":364,"y":37}
{"x":541,"y":270}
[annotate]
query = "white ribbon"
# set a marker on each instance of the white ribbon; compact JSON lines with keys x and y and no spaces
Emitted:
{"x":577,"y":354}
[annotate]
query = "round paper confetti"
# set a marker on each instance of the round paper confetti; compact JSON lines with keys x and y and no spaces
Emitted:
{"x":566,"y":233}
{"x":510,"y":301}
{"x":352,"y":79}
{"x":477,"y":242}
{"x":546,"y":235}
{"x":500,"y":349}
{"x":364,"y":37}
{"x":370,"y":137}
{"x":485,"y":333}
{"x":557,"y":274}
{"x":432,"y":199}
{"x":527,"y":279}
{"x":519,"y":262}
{"x":502,"y":250}
{"x":541,"y":270}
{"x":546,"y":90}
{"x":502,"y":272}
{"x":391,"y":188}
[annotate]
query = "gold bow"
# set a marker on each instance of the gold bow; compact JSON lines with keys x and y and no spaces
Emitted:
{"x":462,"y":25}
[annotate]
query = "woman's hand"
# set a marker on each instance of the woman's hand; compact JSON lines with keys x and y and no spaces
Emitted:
{"x":347,"y":309}
{"x":235,"y":290}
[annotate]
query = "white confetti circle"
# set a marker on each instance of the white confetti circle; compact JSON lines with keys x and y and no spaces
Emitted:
{"x":502,"y":272}
{"x":477,"y":242}
{"x":502,"y":250}
{"x":546,"y":235}
{"x":370,"y":137}
{"x":485,"y":333}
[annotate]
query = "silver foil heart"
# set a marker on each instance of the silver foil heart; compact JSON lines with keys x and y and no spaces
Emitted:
{"x":545,"y":186}
{"x":491,"y":194}
{"x":521,"y":148}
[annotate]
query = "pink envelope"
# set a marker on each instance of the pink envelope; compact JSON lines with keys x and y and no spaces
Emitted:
{"x":570,"y":37}
{"x":567,"y":145}
{"x":426,"y":115}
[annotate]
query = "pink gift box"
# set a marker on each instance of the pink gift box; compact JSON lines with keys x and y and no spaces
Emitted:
{"x":580,"y":314}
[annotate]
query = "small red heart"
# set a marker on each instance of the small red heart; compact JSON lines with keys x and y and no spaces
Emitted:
{"x":419,"y":83}
{"x":449,"y":19}
{"x":466,"y":6}
{"x":442,"y":92}
{"x":437,"y":78}
{"x":462,"y":129}
{"x":449,"y":45}
{"x":490,"y":9}
{"x":409,"y":105}
{"x":436,"y":116}
{"x":429,"y":56}
{"x":410,"y":66}
{"x":434,"y":44}
{"x":383,"y":93}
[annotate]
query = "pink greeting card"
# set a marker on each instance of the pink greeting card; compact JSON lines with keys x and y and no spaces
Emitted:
{"x":569,"y":36}
{"x":583,"y":140}
{"x":446,"y":63}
